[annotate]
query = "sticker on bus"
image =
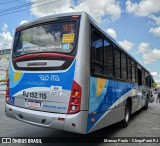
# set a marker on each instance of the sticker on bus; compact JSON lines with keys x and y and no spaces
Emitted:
{"x":68,"y":38}
{"x":56,"y":90}
{"x":65,"y":46}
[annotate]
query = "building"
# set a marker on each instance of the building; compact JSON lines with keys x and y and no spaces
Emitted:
{"x":4,"y":61}
{"x":5,"y":51}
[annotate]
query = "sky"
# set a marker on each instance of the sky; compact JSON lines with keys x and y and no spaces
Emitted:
{"x":134,"y":24}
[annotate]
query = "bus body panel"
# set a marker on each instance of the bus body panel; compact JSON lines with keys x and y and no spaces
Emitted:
{"x":76,"y":123}
{"x":108,"y":96}
{"x":82,"y":70}
{"x":48,"y":120}
{"x":35,"y":117}
{"x":135,"y":102}
{"x":107,"y":118}
{"x":41,"y":88}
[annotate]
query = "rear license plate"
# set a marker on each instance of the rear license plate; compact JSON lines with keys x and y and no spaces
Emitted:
{"x":33,"y":104}
{"x":38,"y":95}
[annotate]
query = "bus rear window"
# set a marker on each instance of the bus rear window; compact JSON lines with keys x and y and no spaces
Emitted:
{"x":53,"y":37}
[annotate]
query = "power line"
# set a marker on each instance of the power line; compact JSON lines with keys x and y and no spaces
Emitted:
{"x":20,"y":6}
{"x":30,"y":8}
{"x":3,"y":3}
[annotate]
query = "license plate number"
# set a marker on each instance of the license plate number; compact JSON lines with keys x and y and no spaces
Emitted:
{"x":35,"y":95}
{"x":34,"y":104}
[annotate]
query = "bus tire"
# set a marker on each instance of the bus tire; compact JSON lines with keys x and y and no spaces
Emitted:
{"x":125,"y":121}
{"x":146,"y":104}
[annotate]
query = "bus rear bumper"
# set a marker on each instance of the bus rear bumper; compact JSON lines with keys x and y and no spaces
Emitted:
{"x":74,"y":123}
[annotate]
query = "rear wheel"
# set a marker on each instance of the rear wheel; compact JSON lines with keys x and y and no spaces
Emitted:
{"x":126,"y":119}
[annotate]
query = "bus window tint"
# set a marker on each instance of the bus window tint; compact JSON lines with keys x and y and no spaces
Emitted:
{"x":124,"y":66}
{"x":108,"y":59}
{"x":117,"y":64}
{"x":129,"y":70}
{"x":133,"y":72}
{"x":97,"y":53}
{"x":52,"y":37}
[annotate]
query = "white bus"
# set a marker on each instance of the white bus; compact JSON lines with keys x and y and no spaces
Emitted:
{"x":66,"y":73}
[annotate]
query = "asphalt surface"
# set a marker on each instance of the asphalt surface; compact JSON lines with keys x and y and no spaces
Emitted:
{"x":142,"y":124}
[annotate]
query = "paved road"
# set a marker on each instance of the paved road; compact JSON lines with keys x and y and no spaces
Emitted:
{"x":142,"y":124}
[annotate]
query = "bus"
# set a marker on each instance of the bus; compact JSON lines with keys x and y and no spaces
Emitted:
{"x":67,"y":73}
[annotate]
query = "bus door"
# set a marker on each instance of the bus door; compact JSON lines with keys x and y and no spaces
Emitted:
{"x":139,"y":105}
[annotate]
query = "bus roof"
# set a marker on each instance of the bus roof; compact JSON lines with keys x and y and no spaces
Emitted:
{"x":52,"y":17}
{"x":47,"y":18}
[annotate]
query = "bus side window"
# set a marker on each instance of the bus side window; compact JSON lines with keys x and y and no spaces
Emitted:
{"x":133,"y":71}
{"x":146,"y":79}
{"x":97,"y":53}
{"x":129,"y":70}
{"x":117,"y":64}
{"x":108,"y":59}
{"x":143,"y":78}
{"x":124,"y":66}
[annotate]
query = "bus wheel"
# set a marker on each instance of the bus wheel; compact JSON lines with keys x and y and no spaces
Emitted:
{"x":146,"y":104}
{"x":125,"y":121}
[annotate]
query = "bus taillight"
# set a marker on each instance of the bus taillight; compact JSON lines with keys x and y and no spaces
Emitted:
{"x":75,"y":99}
{"x":75,"y":16}
{"x":7,"y":92}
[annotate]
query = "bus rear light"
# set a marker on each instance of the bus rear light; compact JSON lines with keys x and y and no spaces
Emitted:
{"x":75,"y":99}
{"x":73,"y":108}
{"x":76,"y":93}
{"x":75,"y":16}
{"x":7,"y":92}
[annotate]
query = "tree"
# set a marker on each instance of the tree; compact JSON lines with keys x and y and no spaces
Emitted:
{"x":154,"y":84}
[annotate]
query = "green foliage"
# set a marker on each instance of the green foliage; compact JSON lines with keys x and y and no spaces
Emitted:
{"x":154,"y":85}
